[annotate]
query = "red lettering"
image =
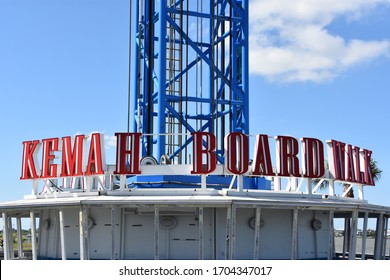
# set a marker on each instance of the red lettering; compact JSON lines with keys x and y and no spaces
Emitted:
{"x":96,"y":164}
{"x":128,"y":153}
{"x":287,"y":160}
{"x":204,"y":158}
{"x":359,"y":174}
{"x":262,"y":164}
{"x":313,"y":158}
{"x":30,"y":160}
{"x":236,"y":153}
{"x":349,"y":164}
{"x":49,"y":169}
{"x":337,"y":159}
{"x":368,"y":178}
{"x":72,"y":159}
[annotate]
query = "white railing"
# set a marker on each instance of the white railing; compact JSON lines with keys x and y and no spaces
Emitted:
{"x":325,"y":185}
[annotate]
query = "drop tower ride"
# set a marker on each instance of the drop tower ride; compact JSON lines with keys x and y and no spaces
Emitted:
{"x":188,"y":73}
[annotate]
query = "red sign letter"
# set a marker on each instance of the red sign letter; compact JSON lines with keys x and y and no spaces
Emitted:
{"x":359,"y":174}
{"x":96,"y":164}
{"x":236,"y":153}
{"x":287,"y":160}
{"x":30,"y":160}
{"x":313,"y":158}
{"x":127,"y":160}
{"x":366,"y":156}
{"x":350,"y":165}
{"x":336,"y":157}
{"x":199,"y":152}
{"x":262,"y":164}
{"x":72,"y":159}
{"x":49,"y":169}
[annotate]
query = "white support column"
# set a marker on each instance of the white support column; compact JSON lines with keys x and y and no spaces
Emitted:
{"x":331,"y":188}
{"x":62,"y":234}
{"x":346,"y":222}
{"x":294,"y":242}
{"x":82,"y":234}
{"x":20,"y":239}
{"x":233,"y":231}
{"x":364,"y":237}
{"x":360,"y":192}
{"x":201,"y":233}
{"x":228,"y":232}
{"x":203,"y":182}
{"x":156,"y":233}
{"x":240,"y":183}
{"x":122,"y":233}
{"x":309,"y":189}
{"x":11,"y":239}
{"x":5,"y":237}
{"x":35,"y":184}
{"x":56,"y":226}
{"x":33,"y":226}
{"x":378,"y":238}
{"x":331,"y":235}
{"x":108,"y":182}
{"x":113,"y":213}
{"x":386,"y":226}
{"x":353,"y":236}
{"x":277,"y":183}
{"x":257,"y":233}
{"x":122,"y":182}
{"x":83,"y":225}
{"x":89,"y":182}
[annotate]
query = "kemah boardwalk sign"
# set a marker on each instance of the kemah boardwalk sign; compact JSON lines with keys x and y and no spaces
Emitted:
{"x":347,"y":163}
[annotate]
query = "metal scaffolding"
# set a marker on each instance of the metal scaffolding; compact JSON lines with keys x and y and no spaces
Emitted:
{"x":189,"y":73}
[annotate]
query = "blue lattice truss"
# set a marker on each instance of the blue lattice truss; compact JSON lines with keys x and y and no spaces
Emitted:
{"x":189,"y":73}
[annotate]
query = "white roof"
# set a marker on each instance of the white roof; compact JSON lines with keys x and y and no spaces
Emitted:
{"x":194,"y":198}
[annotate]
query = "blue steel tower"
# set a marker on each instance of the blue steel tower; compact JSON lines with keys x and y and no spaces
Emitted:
{"x":189,"y":73}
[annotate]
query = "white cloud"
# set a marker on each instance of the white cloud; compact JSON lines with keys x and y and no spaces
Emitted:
{"x":289,"y":40}
{"x":109,"y":141}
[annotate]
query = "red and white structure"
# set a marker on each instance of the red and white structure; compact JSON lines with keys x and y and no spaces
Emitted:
{"x":88,"y":209}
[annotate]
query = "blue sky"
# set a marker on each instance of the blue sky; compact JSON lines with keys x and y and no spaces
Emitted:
{"x":318,"y":69}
